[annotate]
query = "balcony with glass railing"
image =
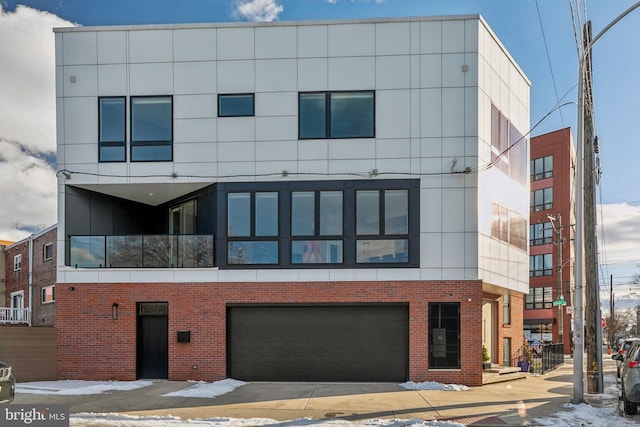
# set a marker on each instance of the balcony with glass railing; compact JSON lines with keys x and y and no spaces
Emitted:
{"x":141,"y":251}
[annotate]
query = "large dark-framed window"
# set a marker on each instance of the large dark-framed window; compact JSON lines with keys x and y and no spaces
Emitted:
{"x":252,"y":227}
{"x":542,"y":199}
{"x":444,"y":335}
{"x":333,"y":115}
{"x":316,"y":224}
{"x":540,"y":265}
{"x":151,"y":128}
{"x":111,"y":129}
{"x":542,"y":168}
{"x":540,"y":233}
{"x":236,"y":105}
{"x":539,"y":298}
{"x":317,"y":227}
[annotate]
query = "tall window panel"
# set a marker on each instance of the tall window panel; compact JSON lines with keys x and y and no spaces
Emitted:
{"x":252,"y":228}
{"x":382,"y":226}
{"x":541,"y":265}
{"x":542,"y":168}
{"x":151,"y":128}
{"x":317,"y":227}
{"x":542,"y":199}
{"x":111,"y":129}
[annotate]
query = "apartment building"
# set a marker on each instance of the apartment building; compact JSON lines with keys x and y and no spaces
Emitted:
{"x":551,"y":235}
{"x":290,"y":201}
{"x":29,"y":280}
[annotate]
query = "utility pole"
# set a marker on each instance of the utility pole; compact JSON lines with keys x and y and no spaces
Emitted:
{"x":612,"y":316}
{"x":592,"y":306}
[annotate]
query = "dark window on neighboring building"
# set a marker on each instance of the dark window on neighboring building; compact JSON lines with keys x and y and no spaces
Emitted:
{"x":48,"y":251}
{"x":539,"y":298}
{"x":17,"y":262}
{"x":542,"y":199}
{"x":252,"y":228}
{"x":336,"y":115}
{"x":111,"y":133}
{"x":540,"y":265}
{"x":539,"y":331}
{"x":444,"y":335}
{"x":236,"y":105}
{"x":541,"y":168}
{"x":151,"y":128}
{"x":540,"y":233}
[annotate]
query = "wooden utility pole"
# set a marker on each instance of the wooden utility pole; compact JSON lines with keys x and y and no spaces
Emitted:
{"x":593,"y":317}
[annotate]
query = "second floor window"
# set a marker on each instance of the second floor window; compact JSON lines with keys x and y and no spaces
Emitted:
{"x":540,"y":265}
{"x":541,"y":168}
{"x":542,"y":199}
{"x":17,"y":262}
{"x":540,"y":234}
{"x":151,"y":128}
{"x":252,"y":228}
{"x":48,"y":294}
{"x":336,"y":115}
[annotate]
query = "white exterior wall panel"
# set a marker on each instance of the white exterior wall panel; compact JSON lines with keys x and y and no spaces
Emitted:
{"x":434,"y":81}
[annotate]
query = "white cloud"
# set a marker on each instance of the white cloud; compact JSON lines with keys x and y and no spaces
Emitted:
{"x":259,"y":10}
{"x":620,"y":243}
{"x":27,"y":121}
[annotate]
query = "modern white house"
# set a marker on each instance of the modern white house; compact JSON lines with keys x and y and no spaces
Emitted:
{"x":290,"y":201}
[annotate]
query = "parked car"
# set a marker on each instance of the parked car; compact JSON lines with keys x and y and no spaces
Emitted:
{"x":7,"y":383}
{"x":630,"y":377}
{"x":622,"y":350}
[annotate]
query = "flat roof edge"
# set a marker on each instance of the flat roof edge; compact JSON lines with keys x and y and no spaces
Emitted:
{"x":263,"y":24}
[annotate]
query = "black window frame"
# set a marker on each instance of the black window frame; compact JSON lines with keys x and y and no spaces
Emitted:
{"x":149,"y":143}
{"x":285,"y":237}
{"x":327,"y":115}
{"x":545,"y":173}
{"x":222,"y":96}
{"x":49,"y":256}
{"x":43,"y":294}
{"x":533,"y":272}
{"x":544,"y":206}
{"x":545,"y":301}
{"x":112,"y":143}
{"x":545,"y":228}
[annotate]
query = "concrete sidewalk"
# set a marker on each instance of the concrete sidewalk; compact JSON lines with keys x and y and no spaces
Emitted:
{"x":508,"y":403}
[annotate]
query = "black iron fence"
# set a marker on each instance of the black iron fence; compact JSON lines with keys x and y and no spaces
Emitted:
{"x":538,"y":358}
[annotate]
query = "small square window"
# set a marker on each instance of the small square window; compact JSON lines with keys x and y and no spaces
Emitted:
{"x":48,"y":251}
{"x":17,"y":262}
{"x":236,"y":105}
{"x":48,"y":294}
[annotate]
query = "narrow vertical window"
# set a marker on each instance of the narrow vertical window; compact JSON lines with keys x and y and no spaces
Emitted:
{"x":252,"y":228}
{"x":111,"y":134}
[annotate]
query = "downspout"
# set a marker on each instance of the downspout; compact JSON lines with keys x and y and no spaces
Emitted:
{"x":30,"y":312}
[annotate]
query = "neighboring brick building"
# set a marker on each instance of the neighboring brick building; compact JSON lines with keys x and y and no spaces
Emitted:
{"x":301,"y":201}
{"x":30,"y":277}
{"x":553,"y":160}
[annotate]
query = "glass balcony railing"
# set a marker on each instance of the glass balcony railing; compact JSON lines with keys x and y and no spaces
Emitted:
{"x":141,"y":251}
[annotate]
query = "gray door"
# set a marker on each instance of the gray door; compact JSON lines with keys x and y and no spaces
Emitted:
{"x":318,"y":343}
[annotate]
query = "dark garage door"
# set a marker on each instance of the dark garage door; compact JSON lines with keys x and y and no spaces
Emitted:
{"x":318,"y":343}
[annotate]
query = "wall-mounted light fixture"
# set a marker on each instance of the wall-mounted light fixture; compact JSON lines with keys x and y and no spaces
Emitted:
{"x":114,"y":311}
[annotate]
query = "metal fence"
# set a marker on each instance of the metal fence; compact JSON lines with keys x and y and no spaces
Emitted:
{"x":542,"y":358}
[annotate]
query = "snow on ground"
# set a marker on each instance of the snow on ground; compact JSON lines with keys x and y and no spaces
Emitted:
{"x":602,"y":412}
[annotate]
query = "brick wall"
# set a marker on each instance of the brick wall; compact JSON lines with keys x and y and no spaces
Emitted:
{"x":44,"y":274}
{"x":17,"y":280}
{"x":92,"y":345}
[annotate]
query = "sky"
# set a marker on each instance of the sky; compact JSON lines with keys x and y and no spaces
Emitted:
{"x":604,"y":414}
{"x":539,"y":34}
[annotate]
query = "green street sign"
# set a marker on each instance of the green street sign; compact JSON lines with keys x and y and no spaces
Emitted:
{"x":560,"y":301}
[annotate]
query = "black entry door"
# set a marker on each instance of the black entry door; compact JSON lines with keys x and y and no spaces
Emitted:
{"x":153,"y":344}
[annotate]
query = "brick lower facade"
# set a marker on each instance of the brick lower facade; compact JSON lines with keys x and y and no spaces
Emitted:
{"x":93,"y":346}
